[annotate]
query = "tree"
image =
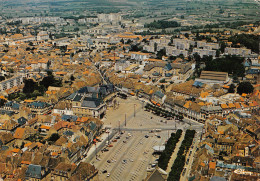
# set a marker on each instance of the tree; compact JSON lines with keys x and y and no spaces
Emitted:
{"x":72,"y":78}
{"x":11,"y":70}
{"x":248,"y":40}
{"x":2,"y":102}
{"x":54,"y":137}
{"x":231,"y":88}
{"x":49,"y":73}
{"x":50,"y":81}
{"x":36,"y":93}
{"x":163,"y":87}
{"x":2,"y":78}
{"x":231,"y":64}
{"x":217,"y":53}
{"x":181,"y":117}
{"x":161,"y":24}
{"x":29,"y":86}
{"x":245,"y":87}
{"x":155,"y":47}
{"x":222,"y":47}
{"x":161,"y":53}
{"x":47,"y":81}
{"x":22,"y":145}
{"x":129,"y":41}
{"x":136,"y":48}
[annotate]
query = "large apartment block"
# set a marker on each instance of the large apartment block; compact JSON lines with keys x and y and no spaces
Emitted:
{"x":237,"y":51}
{"x":10,"y":83}
{"x":204,"y":52}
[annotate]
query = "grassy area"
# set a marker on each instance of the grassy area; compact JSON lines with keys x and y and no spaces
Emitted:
{"x":149,"y":10}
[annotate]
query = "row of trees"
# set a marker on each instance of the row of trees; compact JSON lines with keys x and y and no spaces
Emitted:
{"x":179,"y":162}
{"x":169,"y":148}
{"x":232,"y":25}
{"x":161,"y":112}
{"x":161,"y":24}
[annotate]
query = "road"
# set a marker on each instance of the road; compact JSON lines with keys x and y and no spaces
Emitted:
{"x":191,"y":157}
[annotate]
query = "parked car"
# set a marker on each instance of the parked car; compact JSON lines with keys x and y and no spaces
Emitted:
{"x":184,"y":170}
{"x":153,"y":165}
{"x":187,"y":161}
{"x":105,"y":149}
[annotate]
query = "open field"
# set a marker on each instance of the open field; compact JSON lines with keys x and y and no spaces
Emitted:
{"x":146,"y":10}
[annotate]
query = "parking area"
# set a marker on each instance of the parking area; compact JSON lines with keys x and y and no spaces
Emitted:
{"x":129,"y":157}
{"x":133,"y":112}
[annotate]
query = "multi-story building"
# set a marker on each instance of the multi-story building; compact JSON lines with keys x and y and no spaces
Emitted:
{"x":237,"y":51}
{"x":139,"y":56}
{"x":208,"y":111}
{"x":204,"y":52}
{"x":89,"y":101}
{"x":10,"y":83}
{"x":149,"y":48}
{"x":82,"y":105}
{"x":182,"y":44}
{"x":39,"y":107}
{"x":209,"y":46}
{"x":177,"y":52}
{"x":107,"y":18}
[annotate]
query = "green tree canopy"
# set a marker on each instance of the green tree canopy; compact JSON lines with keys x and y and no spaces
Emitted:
{"x":29,"y":86}
{"x":245,"y":87}
{"x":231,"y":88}
{"x":50,"y":81}
{"x":54,"y":137}
{"x":161,"y":24}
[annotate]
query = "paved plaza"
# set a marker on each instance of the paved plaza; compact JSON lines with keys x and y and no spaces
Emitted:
{"x":130,"y":156}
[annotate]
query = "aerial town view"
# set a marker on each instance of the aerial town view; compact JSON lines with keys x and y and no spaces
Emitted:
{"x":129,"y":90}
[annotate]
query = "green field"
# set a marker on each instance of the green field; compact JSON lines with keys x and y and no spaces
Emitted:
{"x":145,"y":10}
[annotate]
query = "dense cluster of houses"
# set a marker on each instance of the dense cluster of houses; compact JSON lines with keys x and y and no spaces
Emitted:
{"x":46,"y":137}
{"x":229,"y":148}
